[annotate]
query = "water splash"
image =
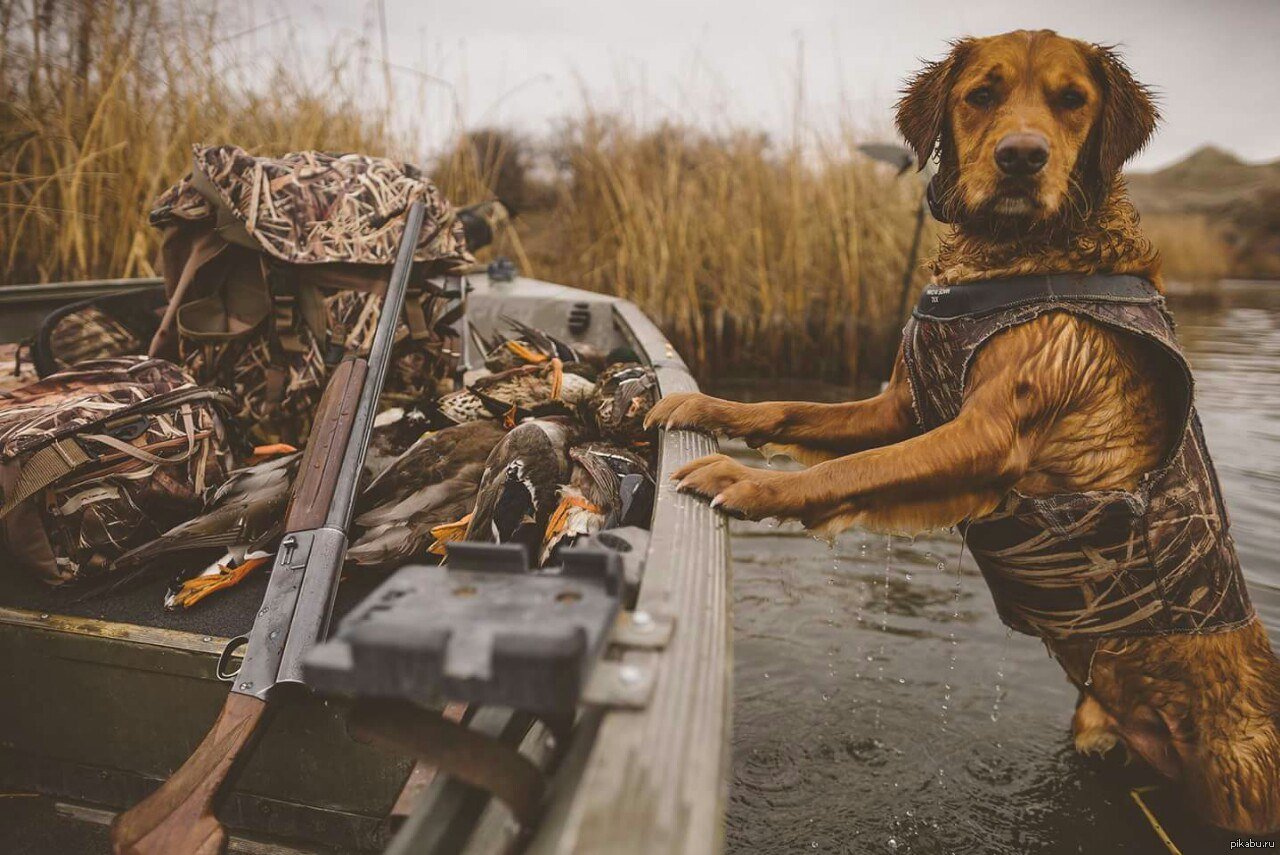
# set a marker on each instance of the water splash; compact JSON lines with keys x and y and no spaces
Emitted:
{"x":953,"y":651}
{"x":952,"y":646}
{"x":999,"y":689}
{"x":884,"y":628}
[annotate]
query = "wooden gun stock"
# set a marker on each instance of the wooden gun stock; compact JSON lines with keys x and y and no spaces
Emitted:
{"x":178,"y":818}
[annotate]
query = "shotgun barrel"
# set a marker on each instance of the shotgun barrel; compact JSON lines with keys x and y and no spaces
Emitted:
{"x":178,"y":818}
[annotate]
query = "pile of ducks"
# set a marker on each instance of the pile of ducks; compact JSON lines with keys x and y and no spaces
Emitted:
{"x":544,"y":446}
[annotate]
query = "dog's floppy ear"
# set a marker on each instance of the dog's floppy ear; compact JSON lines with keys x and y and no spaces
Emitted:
{"x":922,"y":109}
{"x":1129,"y":113}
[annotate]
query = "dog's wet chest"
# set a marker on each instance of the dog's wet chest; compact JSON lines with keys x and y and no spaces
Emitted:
{"x":1115,"y":430}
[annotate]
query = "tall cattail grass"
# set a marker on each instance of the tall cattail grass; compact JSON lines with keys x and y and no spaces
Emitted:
{"x":100,"y":103}
{"x":756,"y":258}
{"x":756,"y":255}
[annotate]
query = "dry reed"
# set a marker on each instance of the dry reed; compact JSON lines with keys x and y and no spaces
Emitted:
{"x":100,"y":103}
{"x":756,"y":256}
{"x":1192,"y":250}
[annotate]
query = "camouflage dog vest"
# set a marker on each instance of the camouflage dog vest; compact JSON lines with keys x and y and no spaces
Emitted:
{"x":1105,"y":563}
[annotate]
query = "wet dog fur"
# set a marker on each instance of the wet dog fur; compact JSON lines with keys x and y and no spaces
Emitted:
{"x":1059,"y":404}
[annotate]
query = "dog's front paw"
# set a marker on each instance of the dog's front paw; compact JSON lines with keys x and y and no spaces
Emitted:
{"x":1093,"y":730}
{"x":1095,"y":742}
{"x":696,"y":411}
{"x":738,"y":490}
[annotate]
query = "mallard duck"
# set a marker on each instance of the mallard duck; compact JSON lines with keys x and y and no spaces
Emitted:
{"x":624,"y":395}
{"x":517,"y":392}
{"x":243,"y":515}
{"x":522,"y":478}
{"x":430,"y":484}
{"x":529,"y":346}
{"x":608,"y":487}
{"x":395,"y":429}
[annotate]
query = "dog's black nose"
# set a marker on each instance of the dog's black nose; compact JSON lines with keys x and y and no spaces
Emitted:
{"x":1022,"y":154}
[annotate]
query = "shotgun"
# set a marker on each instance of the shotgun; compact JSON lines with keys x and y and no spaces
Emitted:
{"x":178,"y":818}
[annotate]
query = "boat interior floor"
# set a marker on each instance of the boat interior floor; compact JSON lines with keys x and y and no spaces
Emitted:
{"x":226,"y":614}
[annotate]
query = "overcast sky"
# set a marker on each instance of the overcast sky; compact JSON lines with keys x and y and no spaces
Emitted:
{"x":718,"y":62}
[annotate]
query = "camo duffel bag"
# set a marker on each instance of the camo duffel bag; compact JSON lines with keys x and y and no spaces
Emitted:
{"x":103,"y":457}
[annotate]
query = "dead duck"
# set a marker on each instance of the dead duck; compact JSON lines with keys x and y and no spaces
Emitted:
{"x":395,"y":429}
{"x":528,"y":346}
{"x":432,"y":483}
{"x":526,"y":390}
{"x":244,"y":515}
{"x":609,"y":487}
{"x":625,"y":394}
{"x":521,"y":481}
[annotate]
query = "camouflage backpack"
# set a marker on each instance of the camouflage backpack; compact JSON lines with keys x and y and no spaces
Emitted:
{"x":103,"y":457}
{"x":273,"y":267}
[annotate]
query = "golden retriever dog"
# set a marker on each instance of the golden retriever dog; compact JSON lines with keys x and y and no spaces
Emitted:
{"x":1031,"y":131}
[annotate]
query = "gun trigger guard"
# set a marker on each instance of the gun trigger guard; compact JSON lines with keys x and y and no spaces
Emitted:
{"x":224,"y":658}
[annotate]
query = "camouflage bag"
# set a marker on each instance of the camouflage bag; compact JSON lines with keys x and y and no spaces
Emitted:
{"x":274,"y":267}
{"x":103,"y":457}
{"x":97,"y":328}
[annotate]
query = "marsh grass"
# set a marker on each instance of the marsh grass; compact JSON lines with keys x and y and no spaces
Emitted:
{"x":756,"y":255}
{"x":1192,"y":249}
{"x":100,"y":103}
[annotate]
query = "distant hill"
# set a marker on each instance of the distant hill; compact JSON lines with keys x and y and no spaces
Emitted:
{"x":1213,"y":198}
{"x":1210,"y":180}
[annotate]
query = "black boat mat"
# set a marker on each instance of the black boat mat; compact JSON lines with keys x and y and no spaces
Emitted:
{"x":226,"y":613}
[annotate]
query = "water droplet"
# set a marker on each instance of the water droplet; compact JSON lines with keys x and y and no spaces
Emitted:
{"x":893,"y":843}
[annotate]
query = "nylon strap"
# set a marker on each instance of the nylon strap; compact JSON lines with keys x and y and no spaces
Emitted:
{"x":41,"y":469}
{"x":993,"y":295}
{"x":415,"y":316}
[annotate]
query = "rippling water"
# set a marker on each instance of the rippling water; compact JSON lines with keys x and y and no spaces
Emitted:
{"x":882,"y":707}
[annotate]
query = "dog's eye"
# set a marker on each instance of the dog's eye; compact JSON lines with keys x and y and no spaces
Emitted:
{"x":1072,"y":99}
{"x":981,"y":97}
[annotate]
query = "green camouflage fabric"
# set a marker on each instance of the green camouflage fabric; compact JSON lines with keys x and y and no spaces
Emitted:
{"x":1156,"y":560}
{"x":103,"y":327}
{"x":92,"y":333}
{"x":15,"y":372}
{"x":139,"y":442}
{"x":272,"y":266}
{"x":310,"y":207}
{"x":421,"y":365}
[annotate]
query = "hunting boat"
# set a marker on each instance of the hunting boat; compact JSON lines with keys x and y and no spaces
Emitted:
{"x":105,"y":697}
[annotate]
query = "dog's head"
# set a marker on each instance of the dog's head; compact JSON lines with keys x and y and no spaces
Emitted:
{"x":1032,"y":126}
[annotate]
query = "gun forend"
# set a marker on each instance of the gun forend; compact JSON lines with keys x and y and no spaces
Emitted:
{"x":325,"y":454}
